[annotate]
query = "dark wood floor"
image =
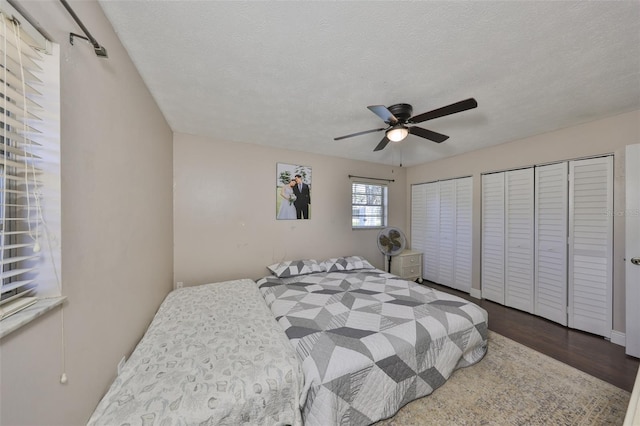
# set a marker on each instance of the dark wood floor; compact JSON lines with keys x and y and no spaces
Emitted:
{"x":592,"y":354}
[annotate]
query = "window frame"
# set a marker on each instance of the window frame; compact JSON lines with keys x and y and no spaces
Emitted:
{"x":383,"y":217}
{"x":43,"y":263}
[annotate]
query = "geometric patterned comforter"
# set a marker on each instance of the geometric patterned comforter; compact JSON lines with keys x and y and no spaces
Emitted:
{"x":213,"y":355}
{"x":371,"y":342}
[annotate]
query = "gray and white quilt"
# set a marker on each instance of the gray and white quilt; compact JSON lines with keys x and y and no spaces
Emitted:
{"x":371,"y":342}
{"x":213,"y":355}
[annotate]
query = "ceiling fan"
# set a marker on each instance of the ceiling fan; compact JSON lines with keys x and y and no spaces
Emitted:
{"x":398,"y":117}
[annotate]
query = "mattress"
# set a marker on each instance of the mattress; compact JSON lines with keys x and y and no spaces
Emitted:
{"x":213,"y":355}
{"x":371,"y":342}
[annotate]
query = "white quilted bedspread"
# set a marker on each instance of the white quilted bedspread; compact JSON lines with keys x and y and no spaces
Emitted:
{"x":371,"y":342}
{"x":213,"y":355}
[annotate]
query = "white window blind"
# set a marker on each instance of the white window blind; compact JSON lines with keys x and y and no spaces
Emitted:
{"x":20,"y":209}
{"x":368,"y":205}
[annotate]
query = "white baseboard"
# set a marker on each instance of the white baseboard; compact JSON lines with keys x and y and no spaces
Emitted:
{"x":618,"y":338}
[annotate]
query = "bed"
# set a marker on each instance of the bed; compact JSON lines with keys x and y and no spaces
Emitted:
{"x":369,"y":342}
{"x":213,"y":355}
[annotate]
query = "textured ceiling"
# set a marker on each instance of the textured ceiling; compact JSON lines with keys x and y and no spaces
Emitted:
{"x":297,"y":74}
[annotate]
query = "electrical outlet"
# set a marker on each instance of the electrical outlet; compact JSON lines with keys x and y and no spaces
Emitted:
{"x":121,"y":364}
{"x":179,"y":284}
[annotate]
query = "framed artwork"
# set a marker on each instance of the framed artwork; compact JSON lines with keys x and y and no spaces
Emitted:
{"x":293,"y":192}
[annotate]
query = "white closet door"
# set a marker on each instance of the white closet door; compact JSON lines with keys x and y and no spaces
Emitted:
{"x":492,"y":263}
{"x":591,"y":245}
{"x":447,"y":232}
{"x":431,"y":254}
{"x":519,"y":237}
{"x":551,"y":210}
{"x":463,"y":234}
{"x":419,"y":218}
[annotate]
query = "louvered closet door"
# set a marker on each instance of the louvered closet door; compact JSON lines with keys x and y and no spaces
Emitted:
{"x":551,"y":210}
{"x":463,"y":234}
{"x":492,"y":263}
{"x":591,"y":244}
{"x":519,"y":239}
{"x":431,"y":254}
{"x":419,"y":218}
{"x":447,"y":232}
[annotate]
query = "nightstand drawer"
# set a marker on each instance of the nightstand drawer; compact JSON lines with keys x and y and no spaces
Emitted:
{"x":412,"y":259}
{"x":411,"y":271}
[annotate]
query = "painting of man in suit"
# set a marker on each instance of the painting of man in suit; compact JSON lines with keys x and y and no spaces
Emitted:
{"x":303,"y":198}
{"x":293,"y":188}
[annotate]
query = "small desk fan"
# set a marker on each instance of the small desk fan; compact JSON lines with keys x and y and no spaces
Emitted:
{"x":391,"y":242}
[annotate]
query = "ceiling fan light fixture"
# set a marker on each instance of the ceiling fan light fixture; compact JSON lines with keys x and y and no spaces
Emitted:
{"x":397,"y":133}
{"x":397,"y":116}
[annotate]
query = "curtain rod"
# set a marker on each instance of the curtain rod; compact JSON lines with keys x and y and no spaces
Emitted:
{"x":100,"y":50}
{"x":372,"y":178}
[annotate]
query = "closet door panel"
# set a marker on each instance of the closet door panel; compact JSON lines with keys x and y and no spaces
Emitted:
{"x":419,"y":218}
{"x":591,"y":245}
{"x":463,"y":234}
{"x":492,"y":262}
{"x":519,"y":238}
{"x":441,"y":228}
{"x":447,"y":232}
{"x":431,"y":254}
{"x":551,"y":210}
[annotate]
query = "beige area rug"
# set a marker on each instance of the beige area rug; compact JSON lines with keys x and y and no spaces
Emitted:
{"x":515,"y":385}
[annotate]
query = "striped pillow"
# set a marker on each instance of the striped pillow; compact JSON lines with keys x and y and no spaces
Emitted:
{"x":348,"y":263}
{"x":291,"y":268}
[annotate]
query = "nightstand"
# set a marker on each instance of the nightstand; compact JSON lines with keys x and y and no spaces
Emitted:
{"x":408,"y":265}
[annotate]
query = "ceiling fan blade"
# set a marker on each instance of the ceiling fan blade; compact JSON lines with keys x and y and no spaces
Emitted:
{"x":358,"y":134}
{"x":382,"y":112}
{"x":446,"y":110}
{"x":382,"y":144}
{"x":428,"y":134}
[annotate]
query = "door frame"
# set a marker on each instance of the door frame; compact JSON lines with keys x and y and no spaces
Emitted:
{"x":632,"y":249}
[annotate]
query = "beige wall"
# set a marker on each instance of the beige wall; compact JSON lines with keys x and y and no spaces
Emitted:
{"x":116,"y":230}
{"x":224,"y":210}
{"x":609,"y":135}
{"x":119,"y":224}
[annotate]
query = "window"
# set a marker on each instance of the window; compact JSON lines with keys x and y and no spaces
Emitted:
{"x":368,"y":205}
{"x":29,"y":161}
